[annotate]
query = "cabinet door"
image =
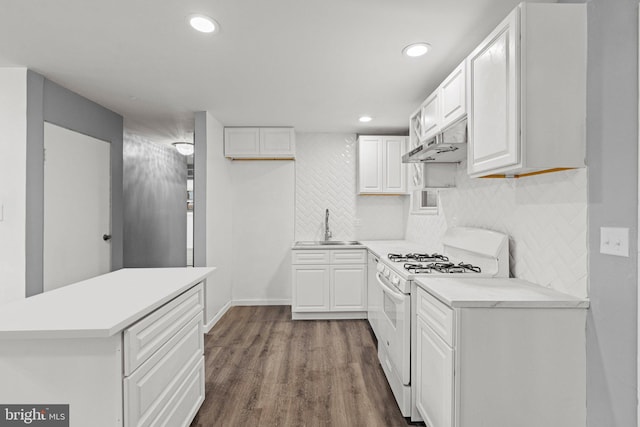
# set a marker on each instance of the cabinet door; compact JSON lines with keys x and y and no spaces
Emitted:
{"x":431,"y":117}
{"x":494,"y":139}
{"x":434,"y":377}
{"x":348,"y":288}
{"x":393,"y":170}
{"x":370,"y":164}
{"x":453,"y":95}
{"x":277,"y":142}
{"x":311,"y":288}
{"x":241,"y":142}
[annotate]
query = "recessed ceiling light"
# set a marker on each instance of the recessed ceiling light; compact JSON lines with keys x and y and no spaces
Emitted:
{"x":416,"y":49}
{"x":365,"y":119}
{"x":203,"y":23}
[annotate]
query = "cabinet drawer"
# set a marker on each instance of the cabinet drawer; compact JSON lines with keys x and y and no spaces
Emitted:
{"x":349,"y":256}
{"x":145,"y":337}
{"x":184,"y":405}
{"x":310,"y":257}
{"x":152,"y":388}
{"x":437,"y":315}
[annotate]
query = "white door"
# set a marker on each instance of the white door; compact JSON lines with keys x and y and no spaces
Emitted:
{"x":310,"y":288}
{"x":393,"y":170}
{"x":434,"y":375}
{"x":277,"y":142}
{"x":348,"y":292}
{"x":77,"y":207}
{"x":453,"y":93}
{"x":431,"y":115}
{"x":493,"y":116}
{"x":370,"y":164}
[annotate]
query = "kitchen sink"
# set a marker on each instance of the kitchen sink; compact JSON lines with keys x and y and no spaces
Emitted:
{"x":329,"y":243}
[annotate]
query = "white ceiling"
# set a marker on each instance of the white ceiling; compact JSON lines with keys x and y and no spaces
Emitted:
{"x":312,"y":64}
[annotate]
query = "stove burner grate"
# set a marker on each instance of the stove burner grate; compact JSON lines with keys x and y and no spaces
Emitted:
{"x":417,"y":257}
{"x":440,"y":267}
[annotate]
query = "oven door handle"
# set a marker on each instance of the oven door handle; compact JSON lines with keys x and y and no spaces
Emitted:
{"x":396,"y":296}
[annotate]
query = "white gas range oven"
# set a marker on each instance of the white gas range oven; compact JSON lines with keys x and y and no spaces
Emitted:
{"x":467,"y":252}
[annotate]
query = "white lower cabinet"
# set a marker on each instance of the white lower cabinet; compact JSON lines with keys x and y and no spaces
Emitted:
{"x":167,"y":387}
{"x":434,"y":391}
{"x":329,"y":284}
{"x":499,"y":366}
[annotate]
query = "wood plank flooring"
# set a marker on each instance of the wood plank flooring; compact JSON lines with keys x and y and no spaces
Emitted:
{"x":263,"y":369}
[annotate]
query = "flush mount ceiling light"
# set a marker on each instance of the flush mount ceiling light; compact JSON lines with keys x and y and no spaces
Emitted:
{"x":184,"y":148}
{"x":415,"y":50}
{"x":203,"y":23}
{"x":365,"y":119}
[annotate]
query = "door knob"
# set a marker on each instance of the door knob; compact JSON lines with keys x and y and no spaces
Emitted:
{"x":106,"y":237}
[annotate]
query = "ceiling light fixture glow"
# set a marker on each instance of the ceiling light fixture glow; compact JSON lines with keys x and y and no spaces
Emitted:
{"x":203,"y":23}
{"x":184,"y":148}
{"x":365,"y":119}
{"x":416,"y":49}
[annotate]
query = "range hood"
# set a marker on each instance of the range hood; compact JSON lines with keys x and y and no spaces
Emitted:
{"x":449,"y":146}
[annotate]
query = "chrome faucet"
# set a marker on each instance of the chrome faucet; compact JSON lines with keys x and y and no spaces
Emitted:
{"x":327,"y":232}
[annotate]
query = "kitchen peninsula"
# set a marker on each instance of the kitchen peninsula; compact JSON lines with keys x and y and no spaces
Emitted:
{"x":125,"y":348}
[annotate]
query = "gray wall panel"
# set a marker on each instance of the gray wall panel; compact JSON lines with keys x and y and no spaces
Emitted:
{"x":50,"y":102}
{"x":612,"y":160}
{"x":155,"y":205}
{"x":35,"y":185}
{"x":200,"y":191}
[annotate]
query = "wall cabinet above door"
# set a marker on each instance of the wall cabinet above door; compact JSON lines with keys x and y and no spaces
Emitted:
{"x":259,"y":143}
{"x":380,"y":167}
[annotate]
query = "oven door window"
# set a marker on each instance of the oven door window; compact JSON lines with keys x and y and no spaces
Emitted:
{"x":391,"y":310}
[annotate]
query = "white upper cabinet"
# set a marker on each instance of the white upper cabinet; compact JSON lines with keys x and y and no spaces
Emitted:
{"x":259,"y":143}
{"x":527,"y":92}
{"x":444,"y":106}
{"x":370,"y":164}
{"x":380,"y":167}
{"x":431,"y":117}
{"x":453,"y":96}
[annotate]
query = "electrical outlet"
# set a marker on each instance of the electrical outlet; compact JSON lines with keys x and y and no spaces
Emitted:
{"x":614,"y":241}
{"x":357,"y":222}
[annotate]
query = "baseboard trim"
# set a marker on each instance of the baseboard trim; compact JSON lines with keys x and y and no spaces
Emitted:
{"x":245,"y":302}
{"x":217,"y":317}
{"x":329,"y":315}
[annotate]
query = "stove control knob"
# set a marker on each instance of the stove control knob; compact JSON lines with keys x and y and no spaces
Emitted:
{"x":395,"y":280}
{"x":386,"y":273}
{"x":380,"y":267}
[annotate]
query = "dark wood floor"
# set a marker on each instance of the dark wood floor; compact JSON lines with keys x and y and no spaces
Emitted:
{"x":263,"y":369}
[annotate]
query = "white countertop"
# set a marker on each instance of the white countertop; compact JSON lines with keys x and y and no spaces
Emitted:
{"x":497,"y":292}
{"x":98,"y":307}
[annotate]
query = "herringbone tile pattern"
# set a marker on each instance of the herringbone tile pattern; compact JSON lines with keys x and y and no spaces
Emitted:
{"x":544,"y":215}
{"x":325,"y":178}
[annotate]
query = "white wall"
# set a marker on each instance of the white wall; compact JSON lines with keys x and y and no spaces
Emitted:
{"x":219,"y":223}
{"x":263,"y":219}
{"x":326,"y":165}
{"x":545,"y":217}
{"x":13,"y":161}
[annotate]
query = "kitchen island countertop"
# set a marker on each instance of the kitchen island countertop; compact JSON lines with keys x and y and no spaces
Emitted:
{"x":98,"y":307}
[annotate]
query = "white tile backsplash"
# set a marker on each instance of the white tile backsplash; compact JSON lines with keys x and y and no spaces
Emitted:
{"x":544,"y":215}
{"x":326,"y":178}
